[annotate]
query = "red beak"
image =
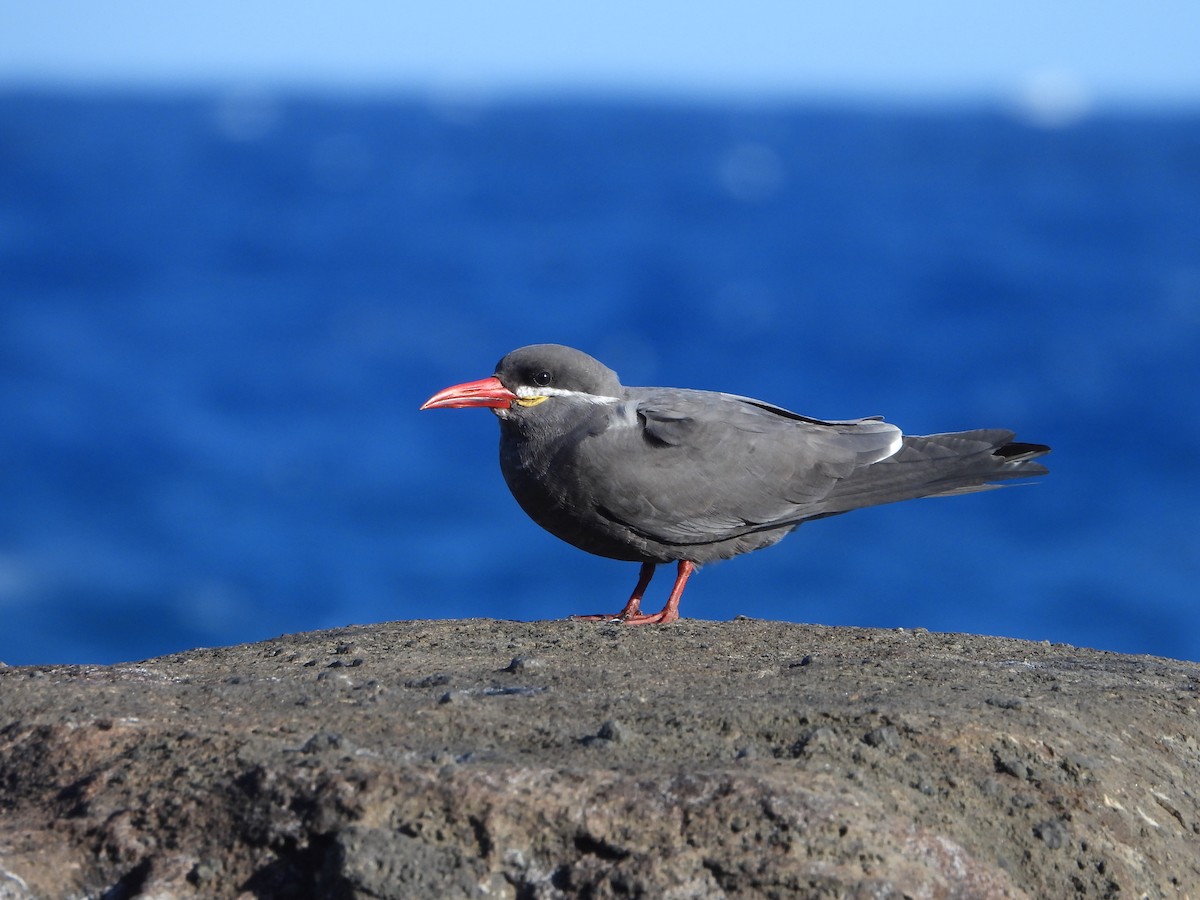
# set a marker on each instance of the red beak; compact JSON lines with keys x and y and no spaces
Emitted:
{"x":484,"y":392}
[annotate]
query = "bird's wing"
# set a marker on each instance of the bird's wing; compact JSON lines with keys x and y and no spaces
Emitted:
{"x":688,"y":467}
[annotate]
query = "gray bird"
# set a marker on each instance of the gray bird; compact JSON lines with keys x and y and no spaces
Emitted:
{"x":656,"y":475}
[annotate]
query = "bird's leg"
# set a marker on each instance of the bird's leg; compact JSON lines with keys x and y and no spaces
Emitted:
{"x":670,"y":612}
{"x":634,"y":606}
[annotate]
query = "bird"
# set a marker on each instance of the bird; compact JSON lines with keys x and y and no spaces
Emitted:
{"x":670,"y":475}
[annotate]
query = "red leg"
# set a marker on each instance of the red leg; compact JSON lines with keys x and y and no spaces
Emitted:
{"x":670,"y":612}
{"x":634,"y":606}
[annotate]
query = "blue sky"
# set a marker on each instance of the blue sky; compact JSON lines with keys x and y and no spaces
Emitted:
{"x":1093,"y":50}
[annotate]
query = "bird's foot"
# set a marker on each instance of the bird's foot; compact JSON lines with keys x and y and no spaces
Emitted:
{"x":666,"y":617}
{"x":659,"y":618}
{"x":631,"y":610}
{"x":632,"y":613}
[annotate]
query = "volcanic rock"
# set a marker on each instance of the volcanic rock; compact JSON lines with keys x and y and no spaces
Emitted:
{"x":544,"y":760}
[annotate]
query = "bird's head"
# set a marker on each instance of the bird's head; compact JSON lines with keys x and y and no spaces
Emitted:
{"x":530,"y":376}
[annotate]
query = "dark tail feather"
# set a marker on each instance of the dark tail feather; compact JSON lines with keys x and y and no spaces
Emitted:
{"x":939,"y":465}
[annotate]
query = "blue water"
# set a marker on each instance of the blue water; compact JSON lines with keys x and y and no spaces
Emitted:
{"x":218,"y":315}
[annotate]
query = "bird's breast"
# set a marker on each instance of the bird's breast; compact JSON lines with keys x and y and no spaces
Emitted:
{"x":549,"y":482}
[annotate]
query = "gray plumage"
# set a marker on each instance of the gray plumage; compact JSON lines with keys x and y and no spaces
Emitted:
{"x":662,"y":474}
{"x":655,"y":475}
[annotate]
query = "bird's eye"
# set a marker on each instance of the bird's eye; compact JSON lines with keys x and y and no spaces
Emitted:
{"x":541,"y":379}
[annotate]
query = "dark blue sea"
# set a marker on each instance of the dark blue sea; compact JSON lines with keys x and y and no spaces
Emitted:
{"x":219,"y":314}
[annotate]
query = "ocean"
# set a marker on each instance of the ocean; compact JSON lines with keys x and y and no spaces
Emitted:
{"x":219,"y":313}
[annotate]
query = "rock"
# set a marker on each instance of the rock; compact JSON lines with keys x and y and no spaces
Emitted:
{"x":521,"y":665}
{"x":1053,"y":833}
{"x":610,"y":732}
{"x":739,"y":759}
{"x":884,"y":737}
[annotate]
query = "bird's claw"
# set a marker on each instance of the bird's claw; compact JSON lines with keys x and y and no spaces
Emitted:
{"x":658,"y":618}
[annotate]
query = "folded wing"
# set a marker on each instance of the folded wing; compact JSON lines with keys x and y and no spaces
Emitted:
{"x":688,"y":467}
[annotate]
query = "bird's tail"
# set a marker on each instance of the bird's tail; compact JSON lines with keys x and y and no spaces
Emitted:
{"x":939,"y":465}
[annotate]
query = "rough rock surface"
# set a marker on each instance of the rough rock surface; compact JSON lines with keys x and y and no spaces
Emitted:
{"x":562,"y":759}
